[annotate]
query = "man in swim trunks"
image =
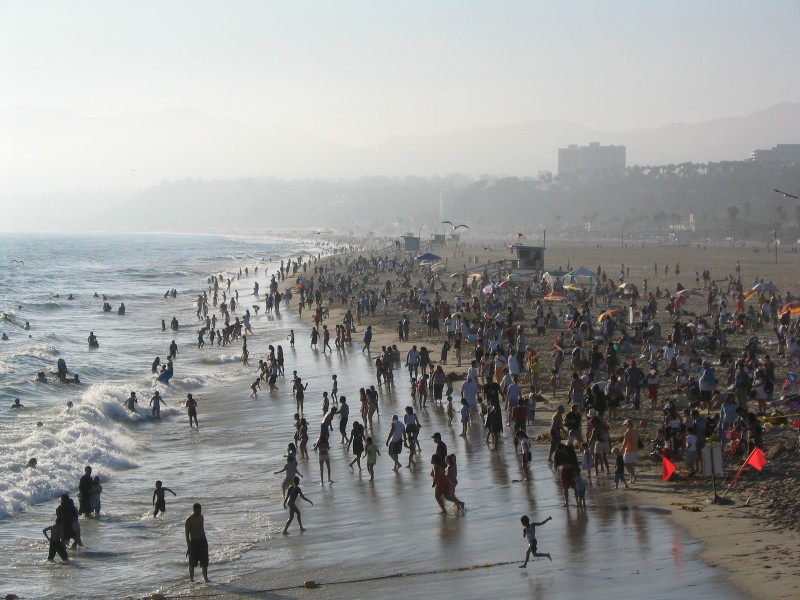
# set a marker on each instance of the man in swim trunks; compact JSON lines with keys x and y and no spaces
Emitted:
{"x":196,"y":542}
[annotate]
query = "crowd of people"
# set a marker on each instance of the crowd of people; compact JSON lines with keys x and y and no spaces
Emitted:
{"x":597,"y":369}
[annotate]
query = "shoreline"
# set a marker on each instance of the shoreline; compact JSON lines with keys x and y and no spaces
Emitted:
{"x":739,"y":541}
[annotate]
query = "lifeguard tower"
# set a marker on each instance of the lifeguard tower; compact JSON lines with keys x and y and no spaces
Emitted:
{"x":410,"y":243}
{"x":529,"y":257}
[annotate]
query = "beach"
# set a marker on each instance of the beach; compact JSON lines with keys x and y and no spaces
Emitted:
{"x":369,"y":538}
{"x":753,"y":551}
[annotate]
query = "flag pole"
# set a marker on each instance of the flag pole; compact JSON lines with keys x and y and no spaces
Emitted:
{"x":739,"y":473}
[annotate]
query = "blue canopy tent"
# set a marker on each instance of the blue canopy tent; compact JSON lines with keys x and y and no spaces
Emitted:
{"x":580,"y":275}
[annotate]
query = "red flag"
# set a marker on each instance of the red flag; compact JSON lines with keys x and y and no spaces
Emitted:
{"x":668,"y":468}
{"x":521,"y":236}
{"x":757,"y":460}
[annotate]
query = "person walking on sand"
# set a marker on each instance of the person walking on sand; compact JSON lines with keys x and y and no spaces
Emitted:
{"x":290,"y":498}
{"x":529,"y":532}
{"x":357,"y":442}
{"x":367,"y":338}
{"x":630,"y":449}
{"x":372,"y":453}
{"x":395,"y":441}
{"x":196,"y":542}
{"x":441,"y":484}
{"x":159,"y":502}
{"x":323,"y":448}
{"x":344,"y":415}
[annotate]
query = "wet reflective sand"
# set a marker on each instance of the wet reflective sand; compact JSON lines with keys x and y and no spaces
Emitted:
{"x":387,"y":537}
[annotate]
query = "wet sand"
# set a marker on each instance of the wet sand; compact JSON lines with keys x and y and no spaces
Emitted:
{"x":387,"y":537}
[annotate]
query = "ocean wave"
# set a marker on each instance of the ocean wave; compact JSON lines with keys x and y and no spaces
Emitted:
{"x":39,"y":352}
{"x":96,"y":432}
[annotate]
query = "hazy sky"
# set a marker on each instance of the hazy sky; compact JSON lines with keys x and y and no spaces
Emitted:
{"x":358,"y":72}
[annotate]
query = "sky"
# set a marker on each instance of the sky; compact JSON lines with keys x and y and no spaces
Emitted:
{"x":360,"y":72}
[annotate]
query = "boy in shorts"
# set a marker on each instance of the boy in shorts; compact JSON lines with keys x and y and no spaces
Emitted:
{"x":529,"y":531}
{"x":159,"y":502}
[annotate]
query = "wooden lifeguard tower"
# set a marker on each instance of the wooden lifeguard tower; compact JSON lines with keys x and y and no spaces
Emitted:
{"x":410,"y":243}
{"x":529,"y":257}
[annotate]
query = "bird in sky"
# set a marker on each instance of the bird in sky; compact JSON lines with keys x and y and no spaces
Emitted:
{"x":788,"y":195}
{"x":487,"y":248}
{"x":14,"y":260}
{"x":455,"y":226}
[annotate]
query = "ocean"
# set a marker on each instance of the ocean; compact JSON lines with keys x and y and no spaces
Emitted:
{"x":358,"y":532}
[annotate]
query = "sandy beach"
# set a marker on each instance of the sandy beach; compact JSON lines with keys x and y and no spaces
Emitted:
{"x":747,"y":543}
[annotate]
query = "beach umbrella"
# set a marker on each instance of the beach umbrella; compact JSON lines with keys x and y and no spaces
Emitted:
{"x":488,"y":289}
{"x":514,"y":277}
{"x":457,"y":275}
{"x":793,"y":308}
{"x":609,"y":313}
{"x":765,"y":287}
{"x":625,"y":286}
{"x":684,"y":293}
{"x":749,"y":295}
{"x":463,"y":315}
{"x":430,"y":256}
{"x":438,"y":267}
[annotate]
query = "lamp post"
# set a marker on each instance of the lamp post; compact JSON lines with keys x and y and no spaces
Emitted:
{"x":775,"y":242}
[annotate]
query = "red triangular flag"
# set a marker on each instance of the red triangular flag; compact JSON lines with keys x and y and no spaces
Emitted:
{"x":757,"y":459}
{"x":668,"y":468}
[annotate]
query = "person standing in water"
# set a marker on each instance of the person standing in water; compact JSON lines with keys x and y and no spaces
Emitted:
{"x":191,"y":407}
{"x":155,"y":402}
{"x":291,"y":498}
{"x":85,"y":492}
{"x":196,"y":542}
{"x":57,"y":546}
{"x":131,"y":402}
{"x":159,"y":502}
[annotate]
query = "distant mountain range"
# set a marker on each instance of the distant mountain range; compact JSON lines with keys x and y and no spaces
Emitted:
{"x":47,"y":152}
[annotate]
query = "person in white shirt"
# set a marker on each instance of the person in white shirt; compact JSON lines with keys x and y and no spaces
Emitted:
{"x":469,"y":392}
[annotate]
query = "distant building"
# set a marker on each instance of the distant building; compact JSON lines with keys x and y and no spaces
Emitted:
{"x":779,"y":153}
{"x":591,"y":160}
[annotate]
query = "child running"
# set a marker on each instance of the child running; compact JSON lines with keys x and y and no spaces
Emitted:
{"x":529,"y":531}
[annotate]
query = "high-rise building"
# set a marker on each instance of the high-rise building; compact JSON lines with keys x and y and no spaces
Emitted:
{"x":779,"y":153}
{"x":591,"y":160}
